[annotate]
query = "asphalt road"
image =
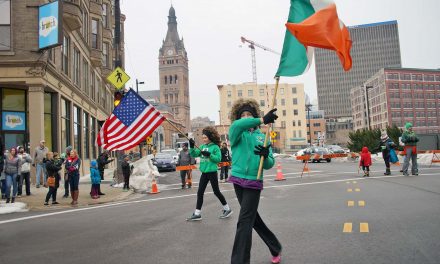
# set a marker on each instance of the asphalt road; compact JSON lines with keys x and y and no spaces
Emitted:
{"x":400,"y":219}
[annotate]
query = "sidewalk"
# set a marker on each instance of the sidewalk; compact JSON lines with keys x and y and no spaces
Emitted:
{"x":35,"y":201}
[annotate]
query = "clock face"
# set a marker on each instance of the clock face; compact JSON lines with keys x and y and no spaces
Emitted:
{"x":170,"y":52}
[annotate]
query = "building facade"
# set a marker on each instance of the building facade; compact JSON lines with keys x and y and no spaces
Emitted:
{"x":58,"y":94}
{"x":197,"y":125}
{"x":375,"y":46}
{"x":396,"y":96}
{"x":317,"y":126}
{"x":290,"y":104}
{"x":173,"y":73}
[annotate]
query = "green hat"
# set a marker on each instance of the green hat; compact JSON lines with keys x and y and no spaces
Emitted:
{"x":408,"y":125}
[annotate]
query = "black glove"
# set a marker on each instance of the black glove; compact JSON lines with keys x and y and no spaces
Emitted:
{"x":192,"y":143}
{"x":206,"y":153}
{"x":270,"y":117}
{"x":262,"y":151}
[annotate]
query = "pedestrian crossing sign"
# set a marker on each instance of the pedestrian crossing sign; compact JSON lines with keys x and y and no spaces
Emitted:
{"x":273,"y":134}
{"x":118,"y":78}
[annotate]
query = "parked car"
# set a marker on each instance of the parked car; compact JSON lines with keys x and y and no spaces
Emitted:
{"x":164,"y":162}
{"x":172,"y":152}
{"x":318,"y":150}
{"x":336,"y":149}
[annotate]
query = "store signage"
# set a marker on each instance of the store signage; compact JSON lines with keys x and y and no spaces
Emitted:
{"x":14,"y":121}
{"x":50,"y":25}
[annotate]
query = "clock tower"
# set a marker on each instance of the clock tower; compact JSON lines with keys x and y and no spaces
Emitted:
{"x":173,"y":73}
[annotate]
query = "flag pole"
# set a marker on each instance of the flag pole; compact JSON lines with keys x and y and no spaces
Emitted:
{"x":266,"y":138}
{"x":180,"y":131}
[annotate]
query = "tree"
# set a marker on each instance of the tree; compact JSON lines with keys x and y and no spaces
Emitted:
{"x":371,"y":138}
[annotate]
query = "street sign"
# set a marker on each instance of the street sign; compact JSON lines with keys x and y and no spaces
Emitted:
{"x":273,"y":134}
{"x":118,"y":78}
{"x":149,"y":140}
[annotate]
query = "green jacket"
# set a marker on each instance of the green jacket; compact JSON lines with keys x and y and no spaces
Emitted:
{"x":207,"y":164}
{"x":243,"y":142}
{"x":410,"y":139}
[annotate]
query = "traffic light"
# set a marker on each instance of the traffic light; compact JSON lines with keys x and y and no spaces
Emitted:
{"x":117,"y":98}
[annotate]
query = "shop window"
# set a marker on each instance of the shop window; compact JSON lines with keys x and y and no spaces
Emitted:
{"x":93,"y":136}
{"x":65,"y":52}
{"x":77,"y":129}
{"x":14,"y":100}
{"x":65,"y":124}
{"x":86,"y":136}
{"x":49,"y":121}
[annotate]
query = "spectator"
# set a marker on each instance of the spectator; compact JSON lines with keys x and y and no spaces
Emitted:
{"x":184,"y":160}
{"x":40,"y":155}
{"x":103,"y":160}
{"x":410,"y":139}
{"x":73,"y":165}
{"x":126,"y":171}
{"x":26,"y":162}
{"x":365,"y":161}
{"x":226,"y":157}
{"x":2,"y":175}
{"x":385,"y":145}
{"x":53,"y":166}
{"x":66,"y":175}
{"x":95,"y":179}
{"x":12,"y":170}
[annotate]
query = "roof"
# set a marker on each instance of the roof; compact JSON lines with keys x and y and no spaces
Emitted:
{"x":392,"y":22}
{"x":153,"y":94}
{"x":411,"y":69}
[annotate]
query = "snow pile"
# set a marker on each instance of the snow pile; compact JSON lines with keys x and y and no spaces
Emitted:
{"x":7,"y":208}
{"x":143,"y":173}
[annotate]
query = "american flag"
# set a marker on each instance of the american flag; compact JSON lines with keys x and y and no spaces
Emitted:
{"x":131,"y":122}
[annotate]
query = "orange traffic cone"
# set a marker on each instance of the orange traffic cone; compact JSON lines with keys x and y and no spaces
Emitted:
{"x":154,"y":188}
{"x":306,"y":167}
{"x":280,"y":176}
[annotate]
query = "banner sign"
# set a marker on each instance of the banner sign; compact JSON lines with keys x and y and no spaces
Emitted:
{"x":50,"y":30}
{"x":14,"y":121}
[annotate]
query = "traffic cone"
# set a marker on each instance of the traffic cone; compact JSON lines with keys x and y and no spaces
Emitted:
{"x":280,"y":176}
{"x":306,"y":167}
{"x":154,"y":188}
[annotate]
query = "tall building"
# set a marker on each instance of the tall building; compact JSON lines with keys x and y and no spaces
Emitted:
{"x":173,"y":73}
{"x":291,"y":124}
{"x":396,"y":96}
{"x":197,"y":125}
{"x":375,"y":46}
{"x":58,"y":94}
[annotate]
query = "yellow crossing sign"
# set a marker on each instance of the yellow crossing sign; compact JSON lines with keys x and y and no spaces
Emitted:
{"x":118,"y":78}
{"x":273,"y":134}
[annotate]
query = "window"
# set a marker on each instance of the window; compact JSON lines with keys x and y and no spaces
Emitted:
{"x":65,"y":55}
{"x":171,"y":79}
{"x":240,"y":93}
{"x":295,"y":101}
{"x":5,"y":25}
{"x":293,"y":123}
{"x":175,"y":79}
{"x":250,"y":93}
{"x":86,"y":135}
{"x":95,"y":32}
{"x":93,"y":86}
{"x":166,"y":80}
{"x":103,"y":92}
{"x":93,"y":135}
{"x":76,"y":66}
{"x":283,"y":101}
{"x":295,"y":112}
{"x":294,"y":90}
{"x":282,"y":91}
{"x":85,"y":25}
{"x":65,"y":124}
{"x":229,"y":104}
{"x":261,"y":92}
{"x":262,"y":102}
{"x":77,"y":129}
{"x":85,"y":76}
{"x":299,"y":122}
{"x":104,"y":15}
{"x":284,"y":112}
{"x":229,"y":94}
{"x":105,"y":55}
{"x":49,"y":118}
{"x":283,"y":124}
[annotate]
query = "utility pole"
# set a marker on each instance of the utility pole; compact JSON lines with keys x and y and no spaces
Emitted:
{"x":368,"y":106}
{"x":308,"y":108}
{"x":137,"y":84}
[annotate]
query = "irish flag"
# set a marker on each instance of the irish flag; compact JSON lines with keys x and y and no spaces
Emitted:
{"x":313,"y":23}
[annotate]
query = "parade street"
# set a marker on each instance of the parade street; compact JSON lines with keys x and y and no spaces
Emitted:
{"x":330,"y":215}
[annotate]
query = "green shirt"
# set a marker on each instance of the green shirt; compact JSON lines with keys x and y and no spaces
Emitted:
{"x":207,"y":164}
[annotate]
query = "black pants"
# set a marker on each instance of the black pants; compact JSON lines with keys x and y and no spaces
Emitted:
{"x":365,"y":168}
{"x":52,"y":192}
{"x":101,"y":173}
{"x":386,"y":158}
{"x":66,"y":185}
{"x":224,"y":173}
{"x":183,"y":177}
{"x":204,"y":179}
{"x":24,"y":176}
{"x":248,"y":219}
{"x":126,"y":181}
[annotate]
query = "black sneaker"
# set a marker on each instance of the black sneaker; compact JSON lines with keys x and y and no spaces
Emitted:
{"x":415,"y":174}
{"x":55,"y":203}
{"x":46,"y":203}
{"x":38,"y":186}
{"x":194,"y":217}
{"x":226,"y":214}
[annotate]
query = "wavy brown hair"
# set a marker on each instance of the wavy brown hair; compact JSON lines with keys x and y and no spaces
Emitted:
{"x":212,"y":134}
{"x":240,"y":103}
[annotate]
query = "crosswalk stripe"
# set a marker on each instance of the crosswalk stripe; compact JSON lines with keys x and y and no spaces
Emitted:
{"x":357,"y":190}
{"x":349,"y":190}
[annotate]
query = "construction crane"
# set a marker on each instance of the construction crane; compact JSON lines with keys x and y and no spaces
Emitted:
{"x":252,"y":45}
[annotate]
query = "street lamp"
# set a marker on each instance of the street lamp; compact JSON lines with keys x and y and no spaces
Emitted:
{"x":137,"y":85}
{"x":308,"y":108}
{"x":368,"y":105}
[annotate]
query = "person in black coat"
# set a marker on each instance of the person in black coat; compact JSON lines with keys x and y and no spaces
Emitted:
{"x":53,"y":166}
{"x":103,"y":160}
{"x":126,"y":171}
{"x":226,"y":157}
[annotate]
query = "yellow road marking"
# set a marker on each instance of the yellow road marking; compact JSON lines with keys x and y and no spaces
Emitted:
{"x":364,"y":228}
{"x":357,"y":190}
{"x":350,"y":203}
{"x":361,"y":203}
{"x":349,"y":190}
{"x":348,"y":228}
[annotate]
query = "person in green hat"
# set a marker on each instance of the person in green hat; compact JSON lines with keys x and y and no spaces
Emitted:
{"x":410,"y":139}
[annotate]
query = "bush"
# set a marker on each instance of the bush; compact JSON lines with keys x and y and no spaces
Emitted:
{"x":371,"y":138}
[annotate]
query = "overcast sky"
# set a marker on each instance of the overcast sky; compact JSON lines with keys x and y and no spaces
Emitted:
{"x":212,"y":30}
